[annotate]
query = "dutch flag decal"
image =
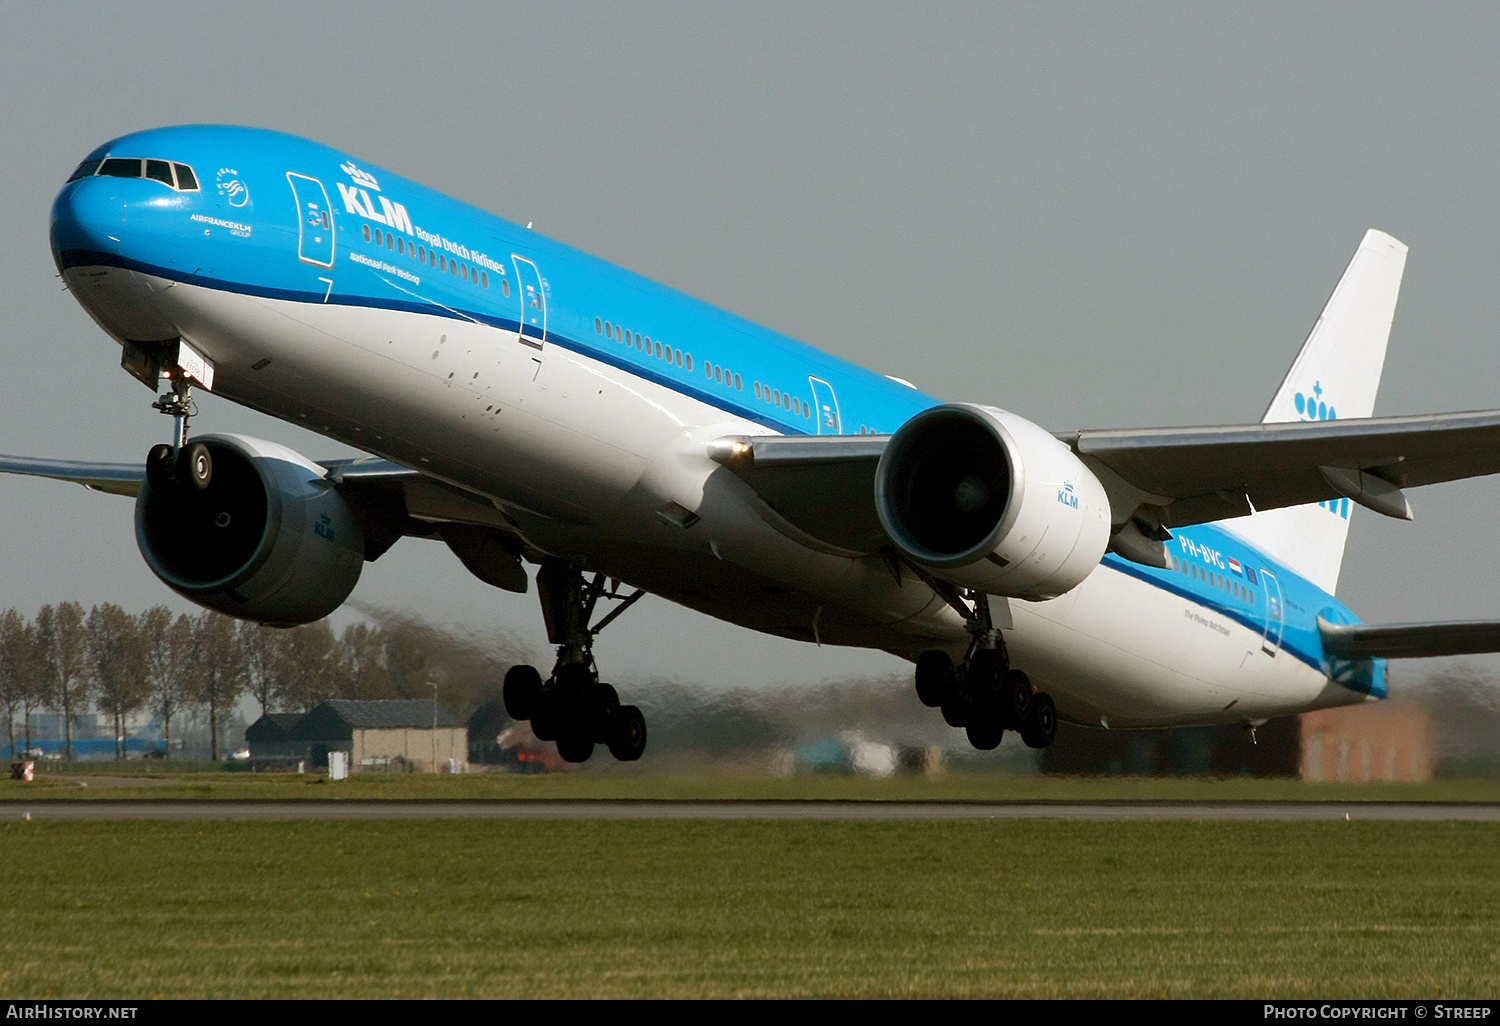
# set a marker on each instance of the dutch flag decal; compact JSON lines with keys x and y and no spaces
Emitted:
{"x":1234,"y":565}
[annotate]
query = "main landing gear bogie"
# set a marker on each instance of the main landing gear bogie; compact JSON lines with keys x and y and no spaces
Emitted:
{"x":985,"y":697}
{"x":573,"y":707}
{"x":576,"y":710}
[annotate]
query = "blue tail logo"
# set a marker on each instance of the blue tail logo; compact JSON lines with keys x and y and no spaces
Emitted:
{"x":1315,"y":407}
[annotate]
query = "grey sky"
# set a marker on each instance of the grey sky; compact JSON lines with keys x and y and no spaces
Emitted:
{"x":1092,"y":214}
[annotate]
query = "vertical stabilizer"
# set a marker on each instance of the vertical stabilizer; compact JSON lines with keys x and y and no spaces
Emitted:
{"x":1335,"y":377}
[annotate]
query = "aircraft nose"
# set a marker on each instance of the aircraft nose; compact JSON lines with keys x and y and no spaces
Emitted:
{"x":88,"y":217}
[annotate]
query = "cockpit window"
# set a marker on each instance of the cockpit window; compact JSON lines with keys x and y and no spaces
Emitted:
{"x":121,"y":167}
{"x":87,"y":168}
{"x":132,"y":167}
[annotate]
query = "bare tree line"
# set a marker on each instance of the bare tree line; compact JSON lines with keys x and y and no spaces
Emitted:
{"x":69,"y":660}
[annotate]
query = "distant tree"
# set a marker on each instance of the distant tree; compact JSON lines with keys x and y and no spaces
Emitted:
{"x":406,"y":655}
{"x":117,"y":665}
{"x":168,"y":647}
{"x":260,"y":649}
{"x":61,"y":644}
{"x":310,"y":666}
{"x":18,"y":678}
{"x":217,"y":673}
{"x":467,"y":666}
{"x":365,"y":674}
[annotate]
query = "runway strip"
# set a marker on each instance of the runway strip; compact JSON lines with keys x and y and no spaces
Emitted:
{"x":296,"y":809}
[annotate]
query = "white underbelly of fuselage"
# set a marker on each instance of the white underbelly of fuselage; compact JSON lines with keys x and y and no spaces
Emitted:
{"x":594,"y":463}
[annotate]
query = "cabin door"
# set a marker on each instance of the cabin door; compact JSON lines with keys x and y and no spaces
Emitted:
{"x":826,"y":407}
{"x":533,"y":300}
{"x":314,"y":220}
{"x":1271,"y":643}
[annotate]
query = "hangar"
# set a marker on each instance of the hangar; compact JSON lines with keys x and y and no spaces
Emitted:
{"x":413,"y":735}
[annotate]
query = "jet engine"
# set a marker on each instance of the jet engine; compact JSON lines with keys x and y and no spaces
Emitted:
{"x":988,"y":500}
{"x":261,"y":534}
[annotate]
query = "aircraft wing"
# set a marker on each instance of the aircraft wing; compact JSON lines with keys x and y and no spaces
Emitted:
{"x":822,"y":488}
{"x":389,"y":500}
{"x":115,"y":478}
{"x":1409,"y":640}
{"x":1191,"y":475}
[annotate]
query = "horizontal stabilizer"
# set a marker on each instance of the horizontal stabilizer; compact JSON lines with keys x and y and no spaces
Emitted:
{"x":1409,"y":640}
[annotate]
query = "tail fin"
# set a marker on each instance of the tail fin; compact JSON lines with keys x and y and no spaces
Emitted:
{"x":1335,"y":377}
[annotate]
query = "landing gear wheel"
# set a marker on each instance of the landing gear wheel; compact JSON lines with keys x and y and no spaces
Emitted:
{"x":604,"y":709}
{"x":986,"y":670}
{"x":1041,"y":726}
{"x":985,"y":735}
{"x":575,"y":747}
{"x":628,"y":739}
{"x":161,"y":467}
{"x":522,"y":692}
{"x":1016,"y":696}
{"x":549,"y":717}
{"x":935,"y":678}
{"x":956,"y":712}
{"x":195,"y":466}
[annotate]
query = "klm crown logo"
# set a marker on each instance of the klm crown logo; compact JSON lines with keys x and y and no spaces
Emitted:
{"x":360,"y":176}
{"x":324,"y":527}
{"x":1066,"y":496}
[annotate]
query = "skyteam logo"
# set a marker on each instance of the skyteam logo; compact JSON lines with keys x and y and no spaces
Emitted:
{"x":236,"y":192}
{"x":1066,"y":496}
{"x":360,"y":176}
{"x":1315,"y":407}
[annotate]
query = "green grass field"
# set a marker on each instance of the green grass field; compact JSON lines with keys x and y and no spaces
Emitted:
{"x":687,"y":909}
{"x":155,"y":782}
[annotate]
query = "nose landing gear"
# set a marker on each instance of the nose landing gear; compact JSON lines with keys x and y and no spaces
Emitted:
{"x":574,"y":707}
{"x":181,"y":464}
{"x":984,"y":695}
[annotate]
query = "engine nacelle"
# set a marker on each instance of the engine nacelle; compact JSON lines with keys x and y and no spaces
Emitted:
{"x":989,"y":500}
{"x":269,"y":539}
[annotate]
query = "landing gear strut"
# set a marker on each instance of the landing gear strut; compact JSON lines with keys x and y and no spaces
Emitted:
{"x":574,"y":707}
{"x":984,"y":695}
{"x":184,"y":465}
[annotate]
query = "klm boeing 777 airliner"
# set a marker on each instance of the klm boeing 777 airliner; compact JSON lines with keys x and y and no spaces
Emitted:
{"x":527,"y":403}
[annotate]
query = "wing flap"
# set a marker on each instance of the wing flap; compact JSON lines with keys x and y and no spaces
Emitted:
{"x":823,"y":486}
